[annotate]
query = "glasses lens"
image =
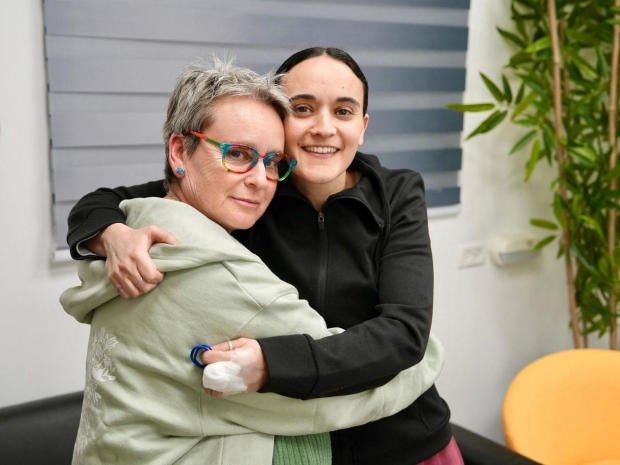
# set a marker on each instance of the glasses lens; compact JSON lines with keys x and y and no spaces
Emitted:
{"x":276,"y":166}
{"x":239,"y":158}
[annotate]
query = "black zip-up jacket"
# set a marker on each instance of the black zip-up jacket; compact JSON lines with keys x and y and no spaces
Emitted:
{"x":364,"y":263}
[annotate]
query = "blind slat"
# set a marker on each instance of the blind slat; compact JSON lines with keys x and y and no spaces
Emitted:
{"x":110,"y":20}
{"x":102,"y":75}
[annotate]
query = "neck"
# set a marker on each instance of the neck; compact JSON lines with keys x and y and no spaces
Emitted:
{"x":318,"y":193}
{"x":174,"y":192}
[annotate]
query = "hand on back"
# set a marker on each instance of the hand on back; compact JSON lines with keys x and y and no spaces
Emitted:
{"x":128,"y":264}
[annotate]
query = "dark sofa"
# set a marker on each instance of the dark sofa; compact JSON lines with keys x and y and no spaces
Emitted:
{"x":43,"y":432}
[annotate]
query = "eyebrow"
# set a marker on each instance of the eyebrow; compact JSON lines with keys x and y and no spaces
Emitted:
{"x":339,"y":99}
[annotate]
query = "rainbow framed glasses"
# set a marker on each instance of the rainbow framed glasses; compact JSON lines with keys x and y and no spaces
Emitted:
{"x":239,"y":158}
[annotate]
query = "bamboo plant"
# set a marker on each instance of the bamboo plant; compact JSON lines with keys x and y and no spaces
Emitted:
{"x":561,"y":86}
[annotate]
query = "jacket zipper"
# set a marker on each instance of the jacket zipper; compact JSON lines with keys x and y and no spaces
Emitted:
{"x":323,"y":247}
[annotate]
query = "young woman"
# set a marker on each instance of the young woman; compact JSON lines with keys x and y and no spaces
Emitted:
{"x":352,"y":236}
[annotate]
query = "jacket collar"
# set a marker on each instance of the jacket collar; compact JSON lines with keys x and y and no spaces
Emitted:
{"x":368,"y":191}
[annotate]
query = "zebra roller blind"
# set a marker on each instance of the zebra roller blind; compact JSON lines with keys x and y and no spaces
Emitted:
{"x":112,"y":64}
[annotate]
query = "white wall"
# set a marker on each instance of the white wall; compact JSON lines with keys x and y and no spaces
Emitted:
{"x":41,"y":349}
{"x":492,"y":321}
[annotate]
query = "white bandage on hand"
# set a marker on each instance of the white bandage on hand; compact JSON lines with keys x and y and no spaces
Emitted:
{"x":224,"y":377}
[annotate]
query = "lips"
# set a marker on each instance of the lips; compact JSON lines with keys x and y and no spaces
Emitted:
{"x":247,"y":202}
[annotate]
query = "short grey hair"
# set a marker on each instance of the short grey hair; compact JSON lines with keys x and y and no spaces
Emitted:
{"x":190,"y":107}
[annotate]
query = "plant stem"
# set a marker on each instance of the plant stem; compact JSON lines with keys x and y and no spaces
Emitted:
{"x":560,"y":134}
{"x":613,"y":218}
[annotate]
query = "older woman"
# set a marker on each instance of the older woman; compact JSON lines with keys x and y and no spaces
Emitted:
{"x":143,"y":399}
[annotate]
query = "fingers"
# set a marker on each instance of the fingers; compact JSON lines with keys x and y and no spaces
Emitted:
{"x":227,"y":346}
{"x":148,"y":274}
{"x":134,"y":275}
{"x":132,"y":287}
{"x":129,"y":266}
{"x":214,"y":394}
{"x":218,"y":352}
{"x":247,"y":354}
{"x":216,"y":355}
{"x":163,"y":236}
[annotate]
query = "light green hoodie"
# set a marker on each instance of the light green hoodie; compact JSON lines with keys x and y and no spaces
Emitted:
{"x":143,"y":400}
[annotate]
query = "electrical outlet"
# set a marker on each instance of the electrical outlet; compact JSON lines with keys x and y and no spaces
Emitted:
{"x":472,"y":254}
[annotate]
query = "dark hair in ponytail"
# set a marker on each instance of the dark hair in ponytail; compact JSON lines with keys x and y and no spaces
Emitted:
{"x":336,"y":54}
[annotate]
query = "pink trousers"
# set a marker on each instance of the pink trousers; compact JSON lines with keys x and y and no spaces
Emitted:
{"x":449,"y":455}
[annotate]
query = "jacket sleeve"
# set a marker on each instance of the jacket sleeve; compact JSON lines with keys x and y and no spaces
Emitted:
{"x":373,"y":351}
{"x":99,"y":209}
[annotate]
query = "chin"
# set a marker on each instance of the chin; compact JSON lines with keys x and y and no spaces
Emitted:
{"x":245,"y":224}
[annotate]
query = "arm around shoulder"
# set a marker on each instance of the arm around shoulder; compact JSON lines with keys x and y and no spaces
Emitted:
{"x":99,"y":209}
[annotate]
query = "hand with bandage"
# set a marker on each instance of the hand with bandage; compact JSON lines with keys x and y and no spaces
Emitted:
{"x":234,"y":367}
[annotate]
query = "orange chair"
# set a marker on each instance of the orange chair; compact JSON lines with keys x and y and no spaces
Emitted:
{"x":564,"y":409}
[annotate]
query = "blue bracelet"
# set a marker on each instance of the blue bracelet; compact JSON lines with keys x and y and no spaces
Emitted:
{"x":196,"y":351}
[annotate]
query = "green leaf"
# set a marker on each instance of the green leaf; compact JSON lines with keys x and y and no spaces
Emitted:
{"x":585,"y":156}
{"x":584,"y":67}
{"x":604,"y":266}
{"x":520,"y":93}
{"x":488,"y":124}
{"x":528,"y":3}
{"x":507,"y":89}
{"x":602,"y":67}
{"x":469,"y":107}
{"x":523,"y":105}
{"x":544,"y":224}
{"x":511,"y":37}
{"x":497,"y":94}
{"x":583,"y":261}
{"x":527,"y":122}
{"x":613,"y":174}
{"x":595,"y":225}
{"x":537,"y":87}
{"x":523,"y":141}
{"x":520,"y":60}
{"x":539,"y":45}
{"x":543,"y":242}
{"x":533,"y":160}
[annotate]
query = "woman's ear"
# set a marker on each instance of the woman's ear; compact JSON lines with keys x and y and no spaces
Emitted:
{"x":364,"y":126}
{"x":177,"y":157}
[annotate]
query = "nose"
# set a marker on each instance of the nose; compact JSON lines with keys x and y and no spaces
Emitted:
{"x":323,"y":124}
{"x":257,"y":176}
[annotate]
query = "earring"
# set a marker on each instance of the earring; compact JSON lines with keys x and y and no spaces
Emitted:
{"x":180,"y":170}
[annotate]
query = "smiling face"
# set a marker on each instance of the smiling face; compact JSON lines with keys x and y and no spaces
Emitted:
{"x":327,"y":124}
{"x":235,"y":201}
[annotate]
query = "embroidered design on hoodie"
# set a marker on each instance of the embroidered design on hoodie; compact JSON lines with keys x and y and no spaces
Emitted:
{"x":99,"y":370}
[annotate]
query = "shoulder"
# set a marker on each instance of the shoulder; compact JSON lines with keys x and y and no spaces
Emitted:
{"x":392,"y":183}
{"x":172,"y":215}
{"x":370,"y":164}
{"x":201,"y":239}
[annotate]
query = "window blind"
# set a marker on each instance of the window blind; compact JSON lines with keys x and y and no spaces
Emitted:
{"x":112,"y":64}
